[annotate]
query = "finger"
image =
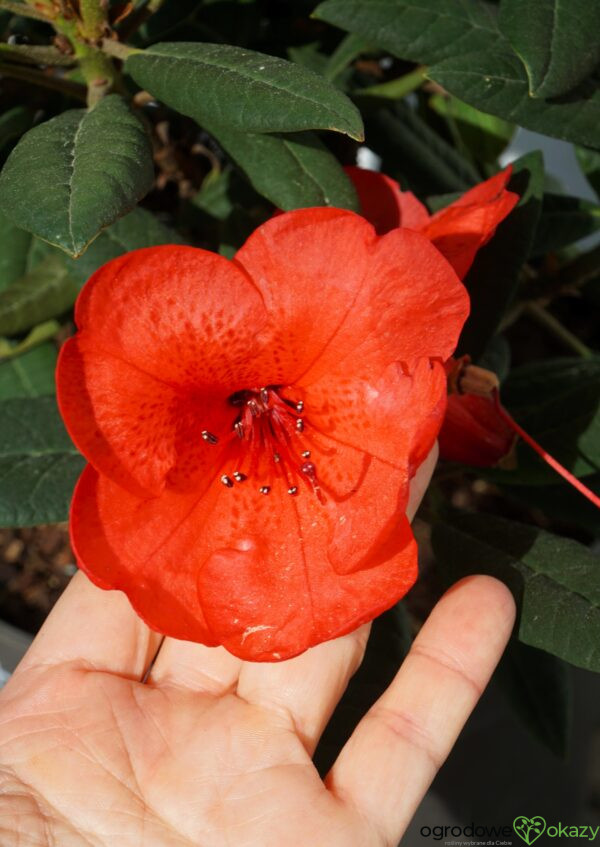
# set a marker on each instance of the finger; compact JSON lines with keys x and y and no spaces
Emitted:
{"x":389,"y":762}
{"x":308,"y":687}
{"x":210,"y":670}
{"x":96,"y":628}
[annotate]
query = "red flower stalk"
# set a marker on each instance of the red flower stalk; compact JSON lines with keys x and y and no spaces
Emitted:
{"x":252,"y":427}
{"x":458,"y":231}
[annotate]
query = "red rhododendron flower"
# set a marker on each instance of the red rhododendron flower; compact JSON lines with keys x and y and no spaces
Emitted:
{"x":252,"y":426}
{"x":458,"y":231}
{"x":473,"y":433}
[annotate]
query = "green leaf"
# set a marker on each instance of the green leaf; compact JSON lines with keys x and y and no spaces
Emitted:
{"x":393,"y":89}
{"x":557,"y":401}
{"x":494,"y":276}
{"x":418,"y":30}
{"x":15,"y":244}
{"x":556,"y":41}
{"x":415,"y":155}
{"x":388,"y":644}
{"x":496,"y":83}
{"x":43,"y":293}
{"x":72,"y":176}
{"x":349,"y":49}
{"x":563,"y":221}
{"x":309,"y":56}
{"x":292,"y":171}
{"x":243,"y":90}
{"x":589,"y":162}
{"x":538,"y":687}
{"x":29,"y":375}
{"x":556,"y":581}
{"x":38,"y":463}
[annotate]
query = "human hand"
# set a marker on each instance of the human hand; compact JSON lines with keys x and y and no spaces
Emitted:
{"x":214,"y":751}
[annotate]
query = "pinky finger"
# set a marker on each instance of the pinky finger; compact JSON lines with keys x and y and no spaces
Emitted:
{"x":396,"y":750}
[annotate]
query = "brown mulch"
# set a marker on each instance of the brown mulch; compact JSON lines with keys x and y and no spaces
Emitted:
{"x":36,"y":565}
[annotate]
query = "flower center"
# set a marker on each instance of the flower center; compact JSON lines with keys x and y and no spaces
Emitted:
{"x":269,"y":441}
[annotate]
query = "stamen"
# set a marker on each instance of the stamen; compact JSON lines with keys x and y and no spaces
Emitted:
{"x":209,"y":437}
{"x":264,"y":396}
{"x":264,"y":489}
{"x":276,"y":457}
{"x":239,"y":429}
{"x":293,"y":490}
{"x":300,"y":406}
{"x":239,"y":477}
{"x":227,"y":481}
{"x":306,"y":454}
{"x":299,"y":424}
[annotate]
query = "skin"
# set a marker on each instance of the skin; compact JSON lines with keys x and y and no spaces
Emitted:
{"x":211,"y":751}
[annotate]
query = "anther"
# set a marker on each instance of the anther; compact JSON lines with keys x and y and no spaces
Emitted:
{"x":300,"y":406}
{"x":309,"y":469}
{"x":299,"y":424}
{"x":239,"y":429}
{"x":306,"y":454}
{"x":253,"y":406}
{"x":293,"y":490}
{"x":276,"y":457}
{"x":209,"y":437}
{"x":264,"y":395}
{"x":239,"y":477}
{"x":227,"y":481}
{"x":264,"y":489}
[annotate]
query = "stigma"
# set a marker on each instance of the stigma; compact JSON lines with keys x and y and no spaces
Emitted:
{"x":269,"y":444}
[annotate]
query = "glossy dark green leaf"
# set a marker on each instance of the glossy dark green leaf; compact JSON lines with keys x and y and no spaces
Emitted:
{"x":494,"y":276}
{"x":557,"y":42}
{"x":292,"y":171}
{"x":589,"y":162}
{"x":388,"y":644}
{"x":556,"y":581}
{"x":419,"y":30}
{"x":537,"y":685}
{"x":496,"y":82}
{"x":15,"y":245}
{"x":563,"y":221}
{"x":229,"y":86}
{"x":29,"y":375}
{"x":77,"y":173}
{"x":415,"y":155}
{"x":558,"y":402}
{"x":43,"y":293}
{"x":38,"y":463}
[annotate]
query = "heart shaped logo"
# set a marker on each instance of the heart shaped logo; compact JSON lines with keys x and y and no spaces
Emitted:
{"x":529,"y":829}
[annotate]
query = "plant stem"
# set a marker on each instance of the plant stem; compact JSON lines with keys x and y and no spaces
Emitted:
{"x":27,"y":74}
{"x":560,"y":332}
{"x":98,"y":70}
{"x":93,"y":19}
{"x":581,"y":269}
{"x":24,"y":10}
{"x":117,"y":48}
{"x":139,"y":17}
{"x":33,"y":54}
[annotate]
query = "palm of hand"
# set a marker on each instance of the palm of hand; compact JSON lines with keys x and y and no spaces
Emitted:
{"x":98,"y":754}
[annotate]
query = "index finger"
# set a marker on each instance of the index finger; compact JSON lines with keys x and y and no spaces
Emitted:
{"x":396,"y":750}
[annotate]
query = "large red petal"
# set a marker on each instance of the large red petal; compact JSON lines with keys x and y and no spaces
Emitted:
{"x":459,"y":230}
{"x":394,"y":417}
{"x":268,"y":576}
{"x":144,"y":547}
{"x":384,"y":204}
{"x":338,"y":294}
{"x":165,"y":336}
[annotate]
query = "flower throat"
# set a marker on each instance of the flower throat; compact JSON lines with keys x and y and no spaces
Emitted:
{"x":272,"y":426}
